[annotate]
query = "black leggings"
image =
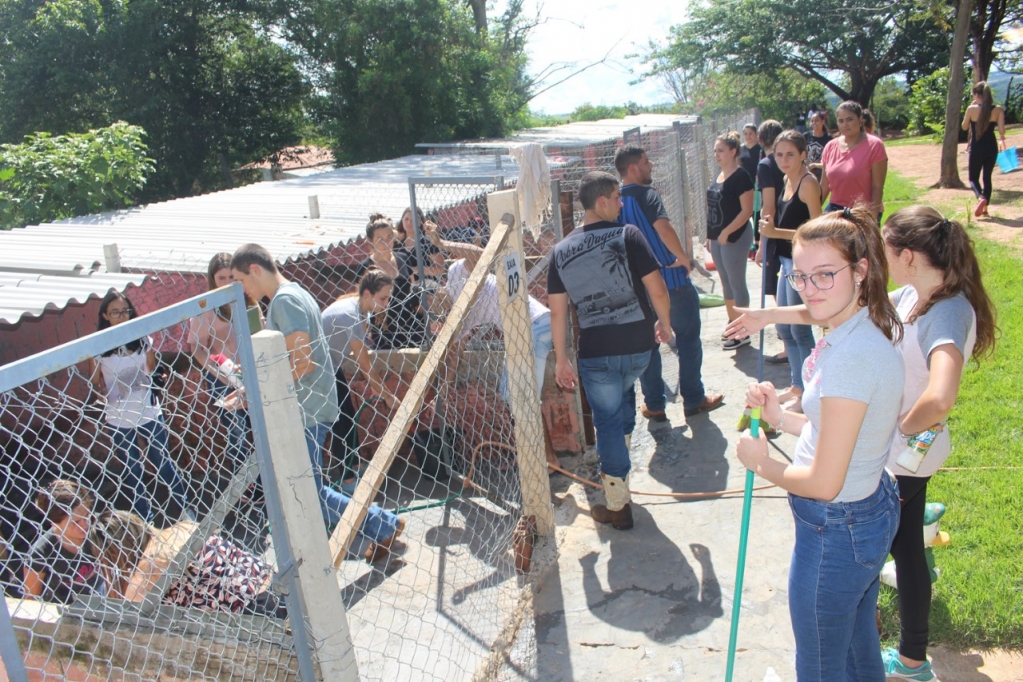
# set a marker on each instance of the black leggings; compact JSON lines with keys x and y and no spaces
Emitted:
{"x":343,"y":431}
{"x":982,"y":162}
{"x":911,"y":572}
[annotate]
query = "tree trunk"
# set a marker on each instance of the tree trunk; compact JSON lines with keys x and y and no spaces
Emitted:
{"x":479,"y":13}
{"x":953,"y":105}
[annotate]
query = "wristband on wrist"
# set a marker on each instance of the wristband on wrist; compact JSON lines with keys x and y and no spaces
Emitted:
{"x":780,"y":426}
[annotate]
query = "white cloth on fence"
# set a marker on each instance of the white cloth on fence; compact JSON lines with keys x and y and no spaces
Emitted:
{"x":534,"y":185}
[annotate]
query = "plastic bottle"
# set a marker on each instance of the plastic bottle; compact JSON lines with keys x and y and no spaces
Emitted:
{"x":916,"y":448}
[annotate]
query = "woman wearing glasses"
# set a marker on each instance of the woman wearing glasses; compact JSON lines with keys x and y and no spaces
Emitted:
{"x":123,"y":376}
{"x":845,"y":506}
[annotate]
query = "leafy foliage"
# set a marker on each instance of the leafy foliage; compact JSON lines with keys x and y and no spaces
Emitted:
{"x":927,"y":100}
{"x":865,"y":41}
{"x":778,"y":94}
{"x":202,"y":77}
{"x":392,"y":73}
{"x":1014,"y":103}
{"x":890,"y":104}
{"x":54,"y":177}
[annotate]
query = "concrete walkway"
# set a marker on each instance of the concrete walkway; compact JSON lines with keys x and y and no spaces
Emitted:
{"x":655,"y":603}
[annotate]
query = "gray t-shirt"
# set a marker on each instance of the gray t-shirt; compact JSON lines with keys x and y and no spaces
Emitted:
{"x":951,"y":321}
{"x":343,"y":322}
{"x":857,"y":362}
{"x":293,"y":309}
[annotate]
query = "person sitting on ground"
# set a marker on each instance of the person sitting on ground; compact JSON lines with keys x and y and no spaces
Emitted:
{"x":222,"y":577}
{"x":294,"y":313}
{"x":61,"y":563}
{"x":486,"y":312}
{"x":402,"y":324}
{"x":611,"y":277}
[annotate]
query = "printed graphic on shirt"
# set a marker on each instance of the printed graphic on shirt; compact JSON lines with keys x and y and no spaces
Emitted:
{"x":715,"y":214}
{"x":595,"y":268}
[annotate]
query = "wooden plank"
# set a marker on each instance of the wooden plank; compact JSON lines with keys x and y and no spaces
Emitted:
{"x":522,"y":390}
{"x":314,"y":575}
{"x":408,"y":410}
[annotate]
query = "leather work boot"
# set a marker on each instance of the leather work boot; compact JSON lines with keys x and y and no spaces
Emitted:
{"x":618,"y":510}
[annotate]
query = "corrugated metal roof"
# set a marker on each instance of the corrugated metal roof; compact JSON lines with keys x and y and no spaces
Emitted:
{"x":578,"y":134}
{"x":181,"y":234}
{"x":51,"y":264}
{"x":31,"y":294}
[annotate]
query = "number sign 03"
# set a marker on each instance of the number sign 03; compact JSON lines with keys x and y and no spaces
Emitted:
{"x":513,"y":275}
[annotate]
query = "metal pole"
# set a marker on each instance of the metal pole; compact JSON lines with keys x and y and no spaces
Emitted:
{"x":282,"y":544}
{"x":9,"y":650}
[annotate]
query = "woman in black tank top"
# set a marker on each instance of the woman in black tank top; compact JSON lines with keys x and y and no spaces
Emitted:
{"x":981,"y":118}
{"x":800,"y":201}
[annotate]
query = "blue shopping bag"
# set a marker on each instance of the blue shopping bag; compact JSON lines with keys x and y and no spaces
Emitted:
{"x":1008,"y":161}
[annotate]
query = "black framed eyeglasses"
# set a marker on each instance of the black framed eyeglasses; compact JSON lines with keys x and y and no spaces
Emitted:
{"x":822,"y":280}
{"x":120,"y":313}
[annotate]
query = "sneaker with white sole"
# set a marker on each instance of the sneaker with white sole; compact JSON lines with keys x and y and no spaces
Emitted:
{"x":894,"y":669}
{"x":733,"y":344}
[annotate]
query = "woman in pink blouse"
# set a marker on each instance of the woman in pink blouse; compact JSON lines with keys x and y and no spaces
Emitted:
{"x":855,"y":165}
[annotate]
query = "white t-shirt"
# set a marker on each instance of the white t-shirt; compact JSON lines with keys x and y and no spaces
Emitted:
{"x":857,"y":362}
{"x":486,"y":310}
{"x":130,"y":400}
{"x":951,"y":321}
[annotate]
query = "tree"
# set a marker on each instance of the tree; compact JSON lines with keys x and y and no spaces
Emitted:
{"x":860,"y":39}
{"x":51,"y":178}
{"x":204,"y":78}
{"x":392,"y":73}
{"x":986,"y":33}
{"x":953,"y":105}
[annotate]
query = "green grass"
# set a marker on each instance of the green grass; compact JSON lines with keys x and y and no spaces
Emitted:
{"x":978,"y":601}
{"x":932,"y":138}
{"x":899,"y":192}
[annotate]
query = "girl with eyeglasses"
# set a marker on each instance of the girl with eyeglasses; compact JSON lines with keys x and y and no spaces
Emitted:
{"x":123,"y":377}
{"x":845,"y":506}
{"x":947,"y":317}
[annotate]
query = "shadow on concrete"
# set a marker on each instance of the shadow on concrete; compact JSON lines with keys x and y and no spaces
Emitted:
{"x":954,"y":665}
{"x":746,"y":360}
{"x":694,"y":464}
{"x":687,"y":605}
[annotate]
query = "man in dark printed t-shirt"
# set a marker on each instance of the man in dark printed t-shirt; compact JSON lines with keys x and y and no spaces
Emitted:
{"x":642,"y":207}
{"x":613,"y":281}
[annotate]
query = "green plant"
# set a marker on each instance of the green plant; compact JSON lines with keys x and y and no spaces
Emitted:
{"x":54,"y":177}
{"x":927,"y":100}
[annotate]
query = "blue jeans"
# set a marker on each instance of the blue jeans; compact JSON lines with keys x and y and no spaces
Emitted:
{"x":235,"y":422}
{"x":833,"y":582}
{"x":126,"y":441}
{"x":610,"y":382}
{"x":378,"y":524}
{"x":685,"y":322}
{"x":798,"y":338}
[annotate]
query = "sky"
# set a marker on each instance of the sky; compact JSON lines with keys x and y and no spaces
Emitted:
{"x":583,"y":31}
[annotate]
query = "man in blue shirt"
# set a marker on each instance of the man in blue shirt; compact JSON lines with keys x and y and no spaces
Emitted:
{"x":642,"y":206}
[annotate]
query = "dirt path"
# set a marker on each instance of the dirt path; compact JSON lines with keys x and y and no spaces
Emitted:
{"x":921,"y":163}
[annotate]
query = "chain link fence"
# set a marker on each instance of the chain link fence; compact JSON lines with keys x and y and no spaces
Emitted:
{"x":447,"y":410}
{"x":183,"y":561}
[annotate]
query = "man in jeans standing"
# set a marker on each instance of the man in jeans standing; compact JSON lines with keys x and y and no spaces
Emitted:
{"x":642,"y":207}
{"x":612,"y":279}
{"x":294,"y":312}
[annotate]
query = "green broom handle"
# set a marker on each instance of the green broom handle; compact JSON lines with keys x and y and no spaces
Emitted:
{"x":747,"y":503}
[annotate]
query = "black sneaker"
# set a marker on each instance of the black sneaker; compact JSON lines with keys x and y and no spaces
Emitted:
{"x":732,"y":344}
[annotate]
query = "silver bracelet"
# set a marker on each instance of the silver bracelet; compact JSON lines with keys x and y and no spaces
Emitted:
{"x":781,"y":423}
